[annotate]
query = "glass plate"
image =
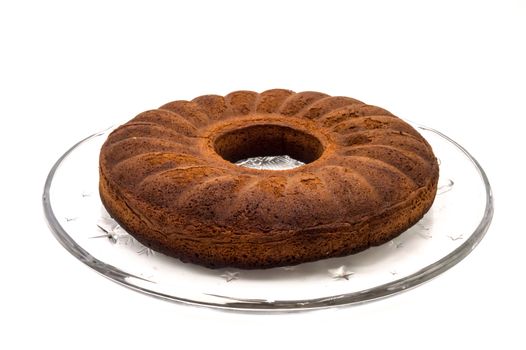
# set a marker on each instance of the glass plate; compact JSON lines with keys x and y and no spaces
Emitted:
{"x":456,"y":223}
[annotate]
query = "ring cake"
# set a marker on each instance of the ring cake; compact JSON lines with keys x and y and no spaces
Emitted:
{"x":168,"y":177}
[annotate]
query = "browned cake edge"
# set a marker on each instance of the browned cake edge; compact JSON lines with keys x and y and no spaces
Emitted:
{"x":302,"y":246}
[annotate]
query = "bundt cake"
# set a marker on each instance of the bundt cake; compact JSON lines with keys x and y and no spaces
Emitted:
{"x":168,"y":177}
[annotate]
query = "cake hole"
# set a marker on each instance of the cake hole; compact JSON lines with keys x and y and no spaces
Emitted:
{"x":282,"y":162}
{"x":271,"y":147}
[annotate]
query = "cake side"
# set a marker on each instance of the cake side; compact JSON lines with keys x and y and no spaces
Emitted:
{"x":260,"y":250}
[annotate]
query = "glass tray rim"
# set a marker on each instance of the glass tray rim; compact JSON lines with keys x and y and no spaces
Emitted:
{"x":381,"y":291}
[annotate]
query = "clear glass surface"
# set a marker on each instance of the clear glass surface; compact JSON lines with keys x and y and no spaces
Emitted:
{"x":452,"y":228}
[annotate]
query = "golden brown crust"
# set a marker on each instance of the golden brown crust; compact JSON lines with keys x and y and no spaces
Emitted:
{"x":165,"y":178}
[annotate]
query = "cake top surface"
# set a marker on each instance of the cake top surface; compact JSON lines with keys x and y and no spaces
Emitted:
{"x":359,"y":159}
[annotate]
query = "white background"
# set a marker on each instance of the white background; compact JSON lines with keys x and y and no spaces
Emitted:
{"x":68,"y":69}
